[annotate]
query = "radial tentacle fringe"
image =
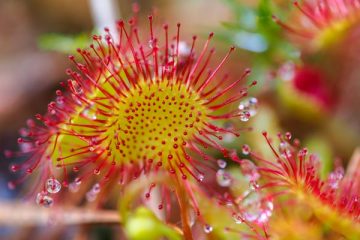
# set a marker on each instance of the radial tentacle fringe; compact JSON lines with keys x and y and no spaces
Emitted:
{"x":134,"y":105}
{"x":335,"y":200}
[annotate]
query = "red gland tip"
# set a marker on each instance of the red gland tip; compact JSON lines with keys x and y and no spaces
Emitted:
{"x":211,"y":35}
{"x":14,"y":167}
{"x":120,"y":23}
{"x":264,"y":133}
{"x":150,"y":17}
{"x":178,"y":24}
{"x":38,"y":116}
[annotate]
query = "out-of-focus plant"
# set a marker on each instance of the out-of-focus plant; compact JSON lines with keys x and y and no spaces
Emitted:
{"x":254,"y":31}
{"x":63,"y":43}
{"x":294,"y":175}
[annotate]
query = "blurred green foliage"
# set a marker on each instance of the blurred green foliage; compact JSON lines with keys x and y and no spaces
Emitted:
{"x":63,"y":43}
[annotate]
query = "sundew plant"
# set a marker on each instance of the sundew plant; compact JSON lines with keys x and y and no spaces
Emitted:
{"x":250,"y":131}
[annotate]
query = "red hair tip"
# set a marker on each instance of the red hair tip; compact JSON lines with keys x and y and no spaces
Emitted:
{"x":120,"y":23}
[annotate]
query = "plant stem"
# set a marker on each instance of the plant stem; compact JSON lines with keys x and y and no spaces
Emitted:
{"x":183,"y":203}
{"x":20,"y":214}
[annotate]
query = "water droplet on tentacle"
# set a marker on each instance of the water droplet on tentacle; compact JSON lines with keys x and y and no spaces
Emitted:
{"x":223,"y":178}
{"x":249,"y":106}
{"x":246,"y":149}
{"x":237,"y":218}
{"x":201,"y":177}
{"x":335,"y":177}
{"x":75,"y":185}
{"x":221,"y":163}
{"x":257,"y":208}
{"x":44,"y":200}
{"x":52,"y":185}
{"x":208,"y":228}
{"x":244,"y":116}
{"x":93,"y":193}
{"x":249,"y":170}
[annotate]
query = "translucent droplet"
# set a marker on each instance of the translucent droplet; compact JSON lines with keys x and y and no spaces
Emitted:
{"x":237,"y":218}
{"x":184,"y":49}
{"x":92,"y":194}
{"x":75,"y":186}
{"x":96,"y":171}
{"x":246,"y":149}
{"x":256,"y":208}
{"x":302,"y":152}
{"x":244,"y":116}
{"x":96,"y":188}
{"x":284,"y":149}
{"x":151,"y":43}
{"x":53,"y":185}
{"x":249,"y":170}
{"x":26,"y":147}
{"x":254,"y":186}
{"x":249,"y":106}
{"x":288,"y":136}
{"x":228,"y":138}
{"x":201,"y":177}
{"x":90,"y":112}
{"x":208,"y":228}
{"x":282,"y":146}
{"x":221,"y":163}
{"x":223,"y":178}
{"x":44,"y":200}
{"x":287,"y":71}
{"x":335,"y":177}
{"x":60,"y":100}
